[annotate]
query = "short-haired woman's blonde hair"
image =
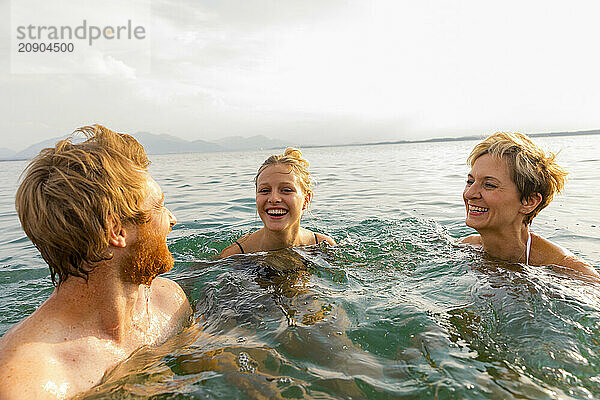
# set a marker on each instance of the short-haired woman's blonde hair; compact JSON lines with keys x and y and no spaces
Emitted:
{"x":531,"y":169}
{"x":69,"y":194}
{"x":293,"y":158}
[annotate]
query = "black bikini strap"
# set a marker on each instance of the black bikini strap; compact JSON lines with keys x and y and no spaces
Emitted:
{"x":240,"y":246}
{"x":316,"y":239}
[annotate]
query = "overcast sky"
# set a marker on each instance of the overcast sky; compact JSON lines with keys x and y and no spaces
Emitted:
{"x":327,"y":71}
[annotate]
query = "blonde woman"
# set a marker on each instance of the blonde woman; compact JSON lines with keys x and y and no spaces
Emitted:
{"x":283,"y":194}
{"x":510,"y":182}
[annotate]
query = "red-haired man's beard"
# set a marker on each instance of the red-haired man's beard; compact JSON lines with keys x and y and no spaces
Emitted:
{"x":148,"y":258}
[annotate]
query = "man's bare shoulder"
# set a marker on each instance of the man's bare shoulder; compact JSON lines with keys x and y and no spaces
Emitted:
{"x":41,"y":361}
{"x":40,"y":327}
{"x":170,"y":299}
{"x":30,"y":370}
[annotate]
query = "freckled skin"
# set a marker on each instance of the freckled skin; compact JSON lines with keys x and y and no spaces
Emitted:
{"x":83,"y":329}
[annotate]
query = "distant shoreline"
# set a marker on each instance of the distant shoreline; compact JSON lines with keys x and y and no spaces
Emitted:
{"x":433,"y":140}
{"x":456,"y":139}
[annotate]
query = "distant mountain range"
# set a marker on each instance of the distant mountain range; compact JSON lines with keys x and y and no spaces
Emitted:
{"x":163,"y":144}
{"x":167,"y":144}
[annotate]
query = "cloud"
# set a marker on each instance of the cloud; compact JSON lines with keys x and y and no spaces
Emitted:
{"x":384,"y":70}
{"x":99,"y":63}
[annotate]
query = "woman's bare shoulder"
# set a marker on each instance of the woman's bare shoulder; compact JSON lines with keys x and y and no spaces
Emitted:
{"x":545,"y":252}
{"x":473,"y":239}
{"x":230,"y":250}
{"x":234,"y":248}
{"x":324,"y":238}
{"x":549,"y":253}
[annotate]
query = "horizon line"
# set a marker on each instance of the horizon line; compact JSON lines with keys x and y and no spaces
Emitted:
{"x":309,"y":146}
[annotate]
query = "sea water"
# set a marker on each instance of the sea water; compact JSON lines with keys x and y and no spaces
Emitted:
{"x":396,"y":310}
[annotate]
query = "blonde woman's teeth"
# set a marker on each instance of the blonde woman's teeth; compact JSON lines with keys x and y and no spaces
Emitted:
{"x":276,"y":211}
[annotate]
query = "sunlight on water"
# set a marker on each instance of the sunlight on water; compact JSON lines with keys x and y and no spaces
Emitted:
{"x":396,"y":310}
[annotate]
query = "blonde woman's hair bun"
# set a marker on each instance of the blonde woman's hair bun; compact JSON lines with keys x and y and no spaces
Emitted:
{"x":293,"y":158}
{"x":295,"y":153}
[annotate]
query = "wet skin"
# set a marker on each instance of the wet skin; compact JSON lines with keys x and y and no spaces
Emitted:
{"x":280,"y":203}
{"x":280,"y":199}
{"x":85,"y":328}
{"x":491,"y":198}
{"x":495,"y":209}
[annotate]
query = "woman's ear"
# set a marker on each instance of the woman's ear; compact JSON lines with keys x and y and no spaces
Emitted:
{"x":529,"y":204}
{"x":118,"y":234}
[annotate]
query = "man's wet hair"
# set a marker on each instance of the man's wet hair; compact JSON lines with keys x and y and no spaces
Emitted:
{"x":71,"y":195}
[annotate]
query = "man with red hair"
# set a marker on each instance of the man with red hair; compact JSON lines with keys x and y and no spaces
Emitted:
{"x":100,"y":223}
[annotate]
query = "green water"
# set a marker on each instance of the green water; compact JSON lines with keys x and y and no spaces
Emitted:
{"x":397,"y":310}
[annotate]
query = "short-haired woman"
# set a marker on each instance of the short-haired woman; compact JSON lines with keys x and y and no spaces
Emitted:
{"x":510,"y":182}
